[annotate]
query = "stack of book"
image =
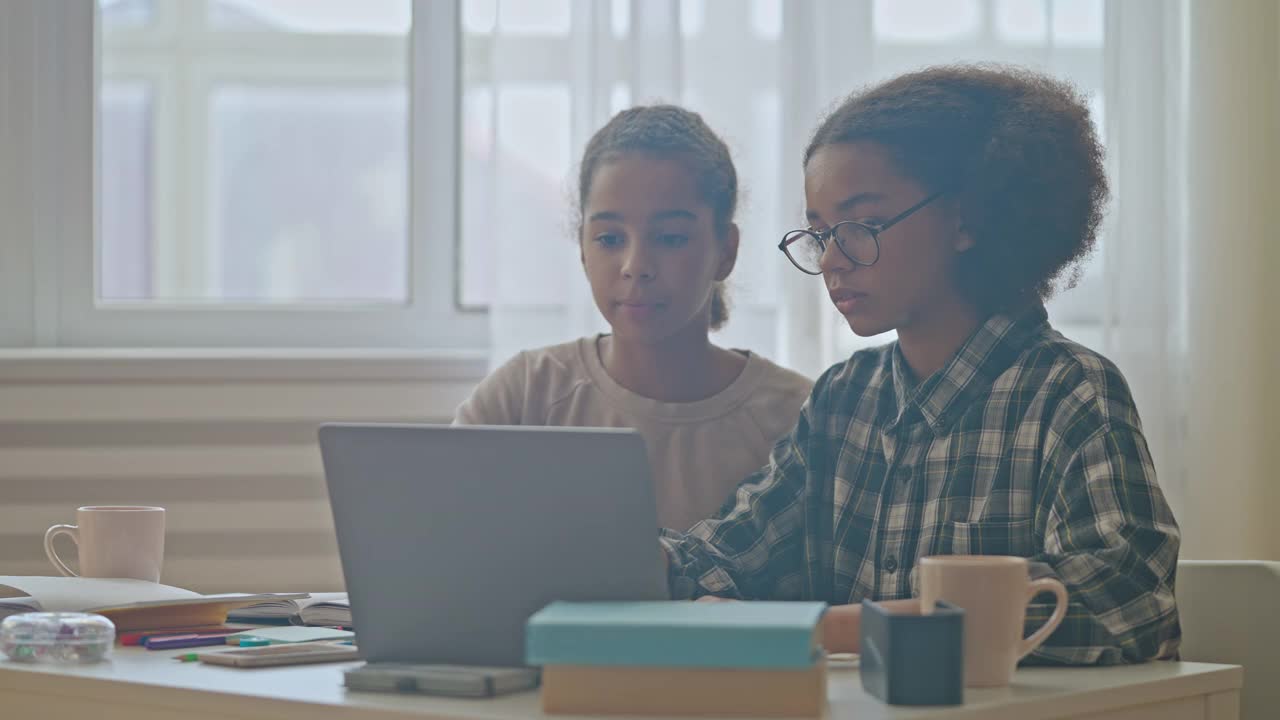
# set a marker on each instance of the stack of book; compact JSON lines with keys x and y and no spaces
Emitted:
{"x":751,"y":659}
{"x":132,"y":605}
{"x":330,"y":609}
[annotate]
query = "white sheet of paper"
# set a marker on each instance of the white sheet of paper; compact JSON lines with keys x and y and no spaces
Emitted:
{"x":73,"y":594}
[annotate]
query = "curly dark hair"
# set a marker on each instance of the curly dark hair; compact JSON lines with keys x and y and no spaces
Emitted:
{"x":670,"y":131}
{"x":1018,"y":155}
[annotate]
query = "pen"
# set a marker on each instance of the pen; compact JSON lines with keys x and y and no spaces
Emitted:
{"x":184,"y":641}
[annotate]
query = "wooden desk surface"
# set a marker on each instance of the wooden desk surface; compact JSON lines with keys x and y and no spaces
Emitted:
{"x":150,"y":685}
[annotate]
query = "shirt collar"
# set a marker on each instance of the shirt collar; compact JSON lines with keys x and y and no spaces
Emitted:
{"x":988,"y":352}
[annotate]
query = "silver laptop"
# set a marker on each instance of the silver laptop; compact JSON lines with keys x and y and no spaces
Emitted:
{"x":451,"y":537}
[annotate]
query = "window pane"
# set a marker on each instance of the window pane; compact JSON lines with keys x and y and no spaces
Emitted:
{"x":620,"y":18}
{"x":534,"y":126}
{"x":534,"y":17}
{"x":125,"y":258}
{"x":756,"y":280}
{"x":479,"y":16}
{"x":532,"y":177}
{"x":1021,"y":21}
{"x":281,"y":180}
{"x":692,"y":15}
{"x":308,"y":194}
{"x":377,"y":17}
{"x":619,"y":98}
{"x":925,"y":21}
{"x":516,"y":157}
{"x":120,"y":14}
{"x":1078,"y":22}
{"x":766,"y":18}
{"x":1098,"y":113}
{"x":476,"y":245}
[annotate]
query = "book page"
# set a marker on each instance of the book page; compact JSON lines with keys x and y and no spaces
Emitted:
{"x":74,"y":594}
{"x":337,"y":599}
{"x":14,"y":605}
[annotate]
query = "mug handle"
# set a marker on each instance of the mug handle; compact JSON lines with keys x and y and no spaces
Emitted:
{"x":71,"y":531}
{"x":1059,"y":612}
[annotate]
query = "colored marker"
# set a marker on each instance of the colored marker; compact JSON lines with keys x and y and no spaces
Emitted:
{"x":183,"y":641}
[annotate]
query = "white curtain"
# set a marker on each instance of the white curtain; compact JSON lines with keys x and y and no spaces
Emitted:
{"x":1194,"y":140}
{"x":1143,"y":322}
{"x":1163,"y":80}
{"x":1228,"y":149}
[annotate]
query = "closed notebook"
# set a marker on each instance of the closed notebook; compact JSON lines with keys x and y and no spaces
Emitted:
{"x":676,"y":634}
{"x":685,"y":692}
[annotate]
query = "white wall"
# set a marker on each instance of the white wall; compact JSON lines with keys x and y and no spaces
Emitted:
{"x":1272,"y":329}
{"x":1233,"y":149}
{"x":225,"y":443}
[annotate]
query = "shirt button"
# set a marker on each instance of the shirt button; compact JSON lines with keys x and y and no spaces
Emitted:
{"x":890,"y":564}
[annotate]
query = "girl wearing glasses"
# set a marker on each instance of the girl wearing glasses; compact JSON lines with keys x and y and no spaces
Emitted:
{"x":944,"y":204}
{"x":657,"y":195}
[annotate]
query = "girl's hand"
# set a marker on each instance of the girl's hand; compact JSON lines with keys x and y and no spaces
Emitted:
{"x":842,"y":623}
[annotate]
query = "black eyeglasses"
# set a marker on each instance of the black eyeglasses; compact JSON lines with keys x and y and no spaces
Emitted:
{"x":859,"y":242}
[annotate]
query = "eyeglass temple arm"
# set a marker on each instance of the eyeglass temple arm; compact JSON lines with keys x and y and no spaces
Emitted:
{"x":794,"y":235}
{"x":906,"y":213}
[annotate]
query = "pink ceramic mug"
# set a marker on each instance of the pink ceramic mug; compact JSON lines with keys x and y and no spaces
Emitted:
{"x":994,"y":591}
{"x":114,"y":541}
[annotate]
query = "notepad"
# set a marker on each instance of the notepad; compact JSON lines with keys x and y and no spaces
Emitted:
{"x":274,"y":655}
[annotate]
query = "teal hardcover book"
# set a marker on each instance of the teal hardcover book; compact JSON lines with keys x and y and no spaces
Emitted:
{"x":776,"y":635}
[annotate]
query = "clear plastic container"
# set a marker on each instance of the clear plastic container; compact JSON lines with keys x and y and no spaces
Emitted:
{"x":74,"y":638}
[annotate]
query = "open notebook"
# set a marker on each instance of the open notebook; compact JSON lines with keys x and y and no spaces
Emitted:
{"x":130,"y":604}
{"x":330,"y":609}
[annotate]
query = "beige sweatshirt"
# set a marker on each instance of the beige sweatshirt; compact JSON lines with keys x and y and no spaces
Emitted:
{"x":698,"y":451}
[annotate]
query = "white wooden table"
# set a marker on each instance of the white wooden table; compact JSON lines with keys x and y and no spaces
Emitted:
{"x":150,"y":685}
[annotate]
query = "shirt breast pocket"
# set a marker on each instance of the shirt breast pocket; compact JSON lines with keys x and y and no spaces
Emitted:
{"x":987,"y":538}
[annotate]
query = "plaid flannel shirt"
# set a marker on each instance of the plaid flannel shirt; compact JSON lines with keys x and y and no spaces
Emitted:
{"x":1024,"y":444}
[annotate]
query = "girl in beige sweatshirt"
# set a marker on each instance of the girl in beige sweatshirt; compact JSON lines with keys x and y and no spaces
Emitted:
{"x":657,"y":195}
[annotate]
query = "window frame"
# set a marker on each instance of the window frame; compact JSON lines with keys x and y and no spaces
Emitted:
{"x":18,"y":167}
{"x":51,"y":63}
{"x":57,"y":77}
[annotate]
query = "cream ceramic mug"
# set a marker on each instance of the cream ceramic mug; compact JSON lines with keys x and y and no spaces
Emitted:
{"x":114,"y":541}
{"x":994,"y":591}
